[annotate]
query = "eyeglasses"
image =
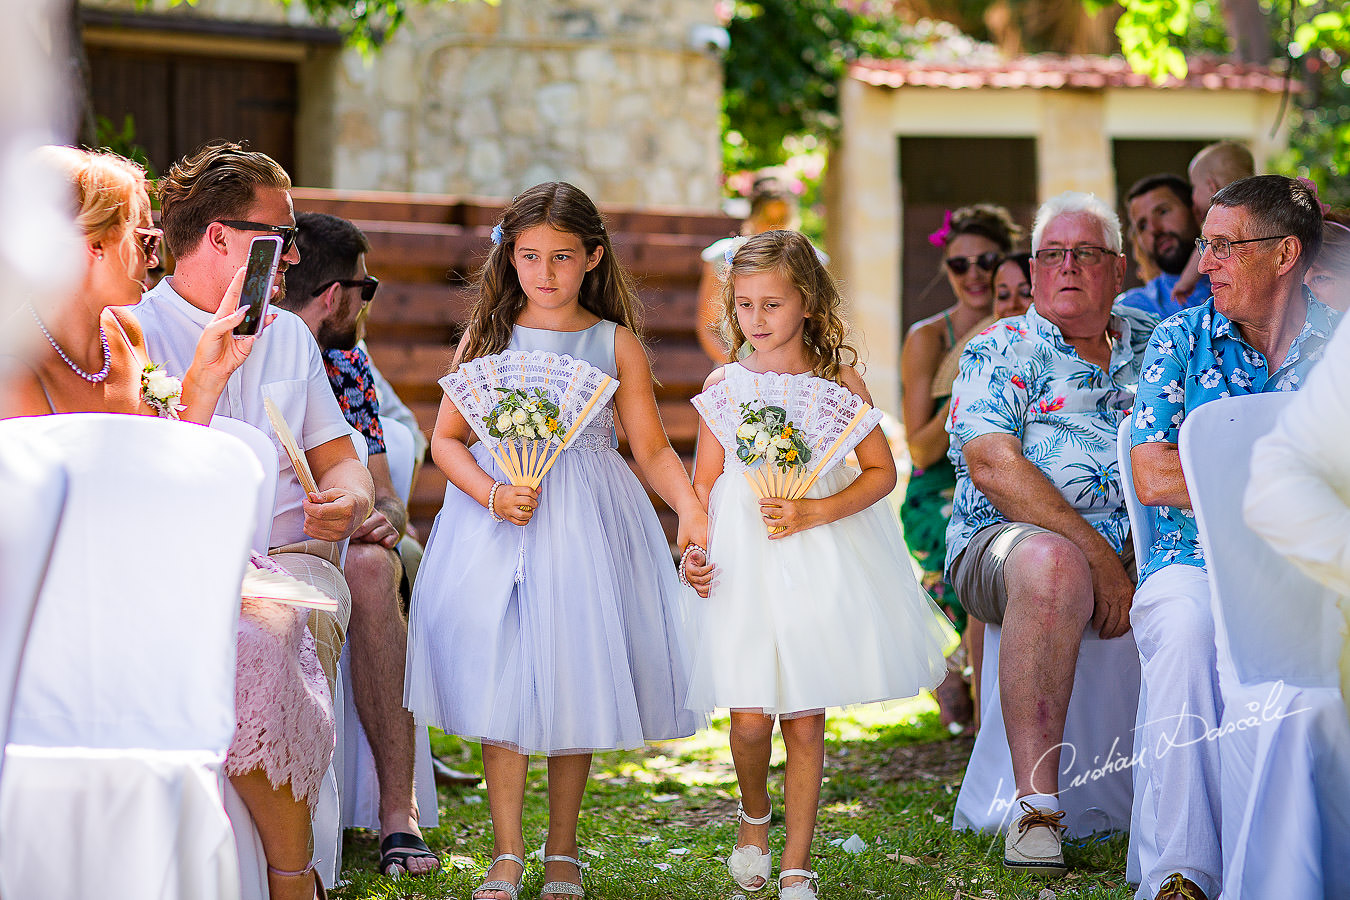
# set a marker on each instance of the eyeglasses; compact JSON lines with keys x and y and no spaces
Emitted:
{"x":287,"y":232}
{"x":1086,"y":255}
{"x":368,"y":285}
{"x":960,"y":265}
{"x":149,"y":239}
{"x":1222,"y":248}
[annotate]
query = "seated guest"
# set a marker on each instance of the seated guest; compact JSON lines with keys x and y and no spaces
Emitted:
{"x":88,"y":354}
{"x":1165,"y":229}
{"x":213,"y":203}
{"x":1329,"y":276}
{"x":1039,"y":537}
{"x":330,"y":290}
{"x":1261,"y":331}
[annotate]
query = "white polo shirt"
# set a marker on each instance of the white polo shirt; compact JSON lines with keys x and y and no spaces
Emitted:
{"x":284,"y":365}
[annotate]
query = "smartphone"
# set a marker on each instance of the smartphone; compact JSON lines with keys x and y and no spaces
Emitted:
{"x":263,"y":256}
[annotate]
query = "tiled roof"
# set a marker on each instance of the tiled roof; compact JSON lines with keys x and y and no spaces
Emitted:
{"x":1053,"y":71}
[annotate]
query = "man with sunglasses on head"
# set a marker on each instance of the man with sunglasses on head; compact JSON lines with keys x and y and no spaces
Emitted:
{"x":1160,"y":215}
{"x":1262,"y":330}
{"x":331,"y":291}
{"x":1039,"y":535}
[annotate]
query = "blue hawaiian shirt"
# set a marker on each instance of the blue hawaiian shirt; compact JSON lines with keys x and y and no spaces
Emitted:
{"x":1021,"y":378}
{"x":1156,"y":296}
{"x":1194,"y":357}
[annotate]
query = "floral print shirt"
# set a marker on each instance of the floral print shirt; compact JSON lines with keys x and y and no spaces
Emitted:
{"x":354,"y":386}
{"x":1022,"y":378}
{"x":1194,"y":357}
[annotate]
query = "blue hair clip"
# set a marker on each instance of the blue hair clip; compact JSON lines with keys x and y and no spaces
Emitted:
{"x":730,"y":254}
{"x":497,"y":234}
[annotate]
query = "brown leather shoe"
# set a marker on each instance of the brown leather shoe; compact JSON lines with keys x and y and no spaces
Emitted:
{"x":1178,"y":887}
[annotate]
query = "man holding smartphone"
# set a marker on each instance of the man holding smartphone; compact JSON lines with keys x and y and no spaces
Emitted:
{"x":213,"y":203}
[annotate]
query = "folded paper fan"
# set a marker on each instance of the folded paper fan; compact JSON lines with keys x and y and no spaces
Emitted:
{"x":527,"y":406}
{"x":261,"y":584}
{"x":787,"y":430}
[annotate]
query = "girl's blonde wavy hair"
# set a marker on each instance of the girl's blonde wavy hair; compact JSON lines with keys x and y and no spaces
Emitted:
{"x":792,"y":254}
{"x":607,"y":291}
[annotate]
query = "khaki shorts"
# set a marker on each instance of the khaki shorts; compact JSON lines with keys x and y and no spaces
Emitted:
{"x":977,"y":572}
{"x":316,"y":564}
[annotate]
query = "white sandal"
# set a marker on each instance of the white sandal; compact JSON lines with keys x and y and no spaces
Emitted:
{"x":506,"y":887}
{"x":565,"y":888}
{"x":749,"y":863}
{"x":802,"y":890}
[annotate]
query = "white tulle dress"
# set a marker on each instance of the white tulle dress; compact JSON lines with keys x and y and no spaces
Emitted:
{"x":582,"y":653}
{"x":831,"y":616}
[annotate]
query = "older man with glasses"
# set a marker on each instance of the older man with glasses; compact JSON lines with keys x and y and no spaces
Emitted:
{"x":1261,"y":331}
{"x":1039,"y":536}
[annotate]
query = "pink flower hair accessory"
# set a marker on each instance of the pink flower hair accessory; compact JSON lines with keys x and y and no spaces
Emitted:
{"x":1312,"y":188}
{"x":940,"y":237}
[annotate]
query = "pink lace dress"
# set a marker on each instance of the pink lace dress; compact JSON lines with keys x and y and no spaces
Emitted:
{"x":282,"y":703}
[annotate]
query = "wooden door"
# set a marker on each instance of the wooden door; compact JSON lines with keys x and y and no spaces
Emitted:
{"x":179,"y":101}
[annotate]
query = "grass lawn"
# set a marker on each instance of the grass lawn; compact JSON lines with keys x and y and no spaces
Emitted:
{"x":658,"y":823}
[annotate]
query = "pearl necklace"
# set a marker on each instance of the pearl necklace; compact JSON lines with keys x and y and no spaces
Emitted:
{"x":97,"y":377}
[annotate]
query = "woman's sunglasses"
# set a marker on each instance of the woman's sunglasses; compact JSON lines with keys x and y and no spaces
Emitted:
{"x":960,"y":265}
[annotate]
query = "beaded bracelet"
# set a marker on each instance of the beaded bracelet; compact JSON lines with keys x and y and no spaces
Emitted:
{"x":492,"y":503}
{"x":684,"y":557}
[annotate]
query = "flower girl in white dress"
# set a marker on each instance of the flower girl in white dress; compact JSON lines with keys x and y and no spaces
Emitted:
{"x":826,"y":611}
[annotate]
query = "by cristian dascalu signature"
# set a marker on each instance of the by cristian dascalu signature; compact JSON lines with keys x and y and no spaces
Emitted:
{"x":1184,"y":729}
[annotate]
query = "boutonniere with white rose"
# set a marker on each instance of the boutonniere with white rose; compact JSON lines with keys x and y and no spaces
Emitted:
{"x":161,"y":391}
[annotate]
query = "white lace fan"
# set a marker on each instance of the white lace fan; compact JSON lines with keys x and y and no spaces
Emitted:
{"x":787,"y":430}
{"x":526,"y":406}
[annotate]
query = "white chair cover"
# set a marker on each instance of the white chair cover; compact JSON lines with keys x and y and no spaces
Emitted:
{"x":1143,"y":534}
{"x":399,"y":450}
{"x":1095,"y":787}
{"x":1285,"y":745}
{"x":266,"y":452}
{"x":125,"y":704}
{"x":33,"y":492}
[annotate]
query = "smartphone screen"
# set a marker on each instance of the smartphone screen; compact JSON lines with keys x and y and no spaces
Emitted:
{"x":263,"y":255}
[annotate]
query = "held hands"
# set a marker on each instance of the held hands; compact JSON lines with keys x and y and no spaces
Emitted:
{"x":792,"y":516}
{"x":219,"y":352}
{"x":515,"y":503}
{"x":693,"y":528}
{"x":333,"y":515}
{"x":698,"y":572}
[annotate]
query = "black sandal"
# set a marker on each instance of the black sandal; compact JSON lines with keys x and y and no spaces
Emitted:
{"x":401,"y":846}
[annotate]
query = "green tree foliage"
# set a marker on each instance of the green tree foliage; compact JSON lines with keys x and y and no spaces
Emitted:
{"x":784,"y":67}
{"x":1314,"y":35}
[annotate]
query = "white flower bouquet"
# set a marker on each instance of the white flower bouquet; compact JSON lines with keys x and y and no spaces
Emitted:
{"x":524,"y":416}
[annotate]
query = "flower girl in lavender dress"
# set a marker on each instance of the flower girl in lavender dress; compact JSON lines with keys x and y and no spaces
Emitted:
{"x":826,"y":611}
{"x":549,"y":621}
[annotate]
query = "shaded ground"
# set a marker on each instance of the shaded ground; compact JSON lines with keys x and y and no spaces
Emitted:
{"x":659,"y":822}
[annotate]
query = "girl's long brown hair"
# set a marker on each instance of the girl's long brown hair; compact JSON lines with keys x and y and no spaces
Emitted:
{"x":792,"y":254}
{"x":606,"y":290}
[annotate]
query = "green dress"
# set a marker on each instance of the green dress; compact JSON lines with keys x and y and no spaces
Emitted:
{"x":924,"y":515}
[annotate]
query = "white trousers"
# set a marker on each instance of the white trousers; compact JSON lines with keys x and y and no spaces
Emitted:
{"x":1174,"y":630}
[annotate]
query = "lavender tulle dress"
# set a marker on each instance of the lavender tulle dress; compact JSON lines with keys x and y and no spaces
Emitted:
{"x":584,"y":651}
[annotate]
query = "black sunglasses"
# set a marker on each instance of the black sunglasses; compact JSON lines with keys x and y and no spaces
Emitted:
{"x":149,"y":240}
{"x":286,"y":232}
{"x":960,"y":265}
{"x":368,"y":285}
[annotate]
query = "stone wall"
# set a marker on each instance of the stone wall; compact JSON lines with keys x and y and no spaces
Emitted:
{"x":469,"y":98}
